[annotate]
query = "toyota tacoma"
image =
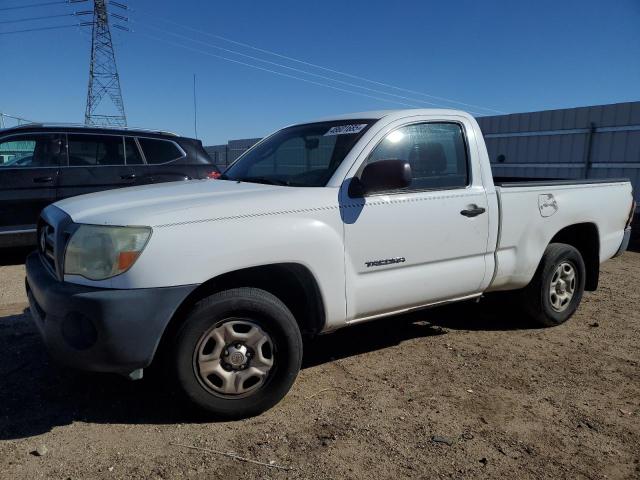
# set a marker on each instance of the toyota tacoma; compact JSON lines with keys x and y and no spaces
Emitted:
{"x":319,"y":226}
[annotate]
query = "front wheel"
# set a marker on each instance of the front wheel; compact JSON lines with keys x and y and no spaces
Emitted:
{"x":554,"y":293}
{"x":238,"y":353}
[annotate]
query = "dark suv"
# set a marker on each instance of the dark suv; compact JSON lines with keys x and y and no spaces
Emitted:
{"x":40,"y":164}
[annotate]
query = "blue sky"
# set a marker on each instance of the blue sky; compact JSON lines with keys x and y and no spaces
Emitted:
{"x":510,"y":56}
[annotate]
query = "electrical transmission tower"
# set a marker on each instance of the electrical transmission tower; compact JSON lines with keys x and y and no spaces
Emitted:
{"x":104,"y":97}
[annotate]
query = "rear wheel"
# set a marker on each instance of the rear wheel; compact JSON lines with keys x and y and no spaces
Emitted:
{"x":554,"y":293}
{"x":238,"y":353}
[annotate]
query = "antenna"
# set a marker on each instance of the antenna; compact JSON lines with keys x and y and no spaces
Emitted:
{"x":104,"y":82}
{"x":195,"y":108}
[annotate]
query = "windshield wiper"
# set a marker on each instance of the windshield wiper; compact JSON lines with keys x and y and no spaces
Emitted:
{"x":266,"y":180}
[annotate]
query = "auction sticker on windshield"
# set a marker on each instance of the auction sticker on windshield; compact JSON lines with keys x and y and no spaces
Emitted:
{"x":345,"y":129}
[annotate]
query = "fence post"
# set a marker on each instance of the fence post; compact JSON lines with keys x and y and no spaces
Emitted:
{"x":587,"y":153}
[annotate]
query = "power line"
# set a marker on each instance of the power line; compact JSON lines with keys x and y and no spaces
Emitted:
{"x":43,"y":4}
{"x":317,"y":75}
{"x":314,"y":65}
{"x":46,"y":17}
{"x":57,"y":27}
{"x":119,"y":5}
{"x":203,"y":52}
{"x":19,"y":120}
{"x":356,"y":77}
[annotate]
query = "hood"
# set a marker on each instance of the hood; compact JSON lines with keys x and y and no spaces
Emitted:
{"x":163,"y":203}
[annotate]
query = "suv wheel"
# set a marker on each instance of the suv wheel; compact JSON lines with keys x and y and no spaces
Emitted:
{"x":238,"y":353}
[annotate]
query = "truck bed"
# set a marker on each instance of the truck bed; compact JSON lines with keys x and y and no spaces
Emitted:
{"x":549,"y":205}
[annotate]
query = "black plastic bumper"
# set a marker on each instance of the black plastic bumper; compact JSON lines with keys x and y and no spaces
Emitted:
{"x":625,"y":242}
{"x":99,"y":329}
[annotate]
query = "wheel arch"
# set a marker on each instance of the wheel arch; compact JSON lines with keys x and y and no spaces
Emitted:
{"x":586,"y":239}
{"x":292,"y":283}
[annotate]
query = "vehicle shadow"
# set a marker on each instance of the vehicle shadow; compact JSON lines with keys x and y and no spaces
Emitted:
{"x":487,"y":315}
{"x":14,"y":255}
{"x":36,"y":395}
{"x":634,"y":242}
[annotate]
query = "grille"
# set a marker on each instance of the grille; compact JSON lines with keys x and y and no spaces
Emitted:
{"x":46,"y":244}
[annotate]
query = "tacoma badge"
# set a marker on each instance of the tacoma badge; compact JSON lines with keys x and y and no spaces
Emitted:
{"x":386,"y":261}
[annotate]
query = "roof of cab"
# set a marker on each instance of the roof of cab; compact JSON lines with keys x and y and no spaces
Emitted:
{"x":378,"y":114}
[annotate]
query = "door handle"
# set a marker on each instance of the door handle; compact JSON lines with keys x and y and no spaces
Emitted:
{"x":131,"y":176}
{"x":473,"y":212}
{"x":43,"y":180}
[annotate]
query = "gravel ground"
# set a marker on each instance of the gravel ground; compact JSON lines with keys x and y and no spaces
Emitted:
{"x":12,"y":277}
{"x":456,"y":392}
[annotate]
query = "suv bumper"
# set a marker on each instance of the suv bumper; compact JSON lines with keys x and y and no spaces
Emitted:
{"x":99,"y":329}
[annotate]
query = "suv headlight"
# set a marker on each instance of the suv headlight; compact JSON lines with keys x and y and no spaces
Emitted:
{"x":99,"y":252}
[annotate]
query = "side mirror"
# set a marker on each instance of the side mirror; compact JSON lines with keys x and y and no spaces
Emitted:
{"x":380,"y":176}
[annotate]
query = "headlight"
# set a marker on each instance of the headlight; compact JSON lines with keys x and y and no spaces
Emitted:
{"x":99,"y":252}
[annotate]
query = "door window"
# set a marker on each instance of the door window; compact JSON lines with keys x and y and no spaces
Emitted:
{"x":159,"y":151}
{"x":132,"y":152}
{"x":95,"y":150}
{"x":29,"y":151}
{"x":436,"y":152}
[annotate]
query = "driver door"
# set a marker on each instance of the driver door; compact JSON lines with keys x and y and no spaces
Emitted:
{"x":416,"y":246}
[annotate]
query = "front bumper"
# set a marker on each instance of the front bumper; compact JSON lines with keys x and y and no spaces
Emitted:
{"x":97,"y":329}
{"x":625,"y":242}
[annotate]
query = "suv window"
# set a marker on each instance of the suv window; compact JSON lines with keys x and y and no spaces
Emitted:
{"x":159,"y":151}
{"x":132,"y":152}
{"x":88,"y":150}
{"x":41,"y":150}
{"x":436,"y":152}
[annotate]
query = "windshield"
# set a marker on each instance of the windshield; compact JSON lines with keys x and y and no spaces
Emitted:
{"x":299,"y":156}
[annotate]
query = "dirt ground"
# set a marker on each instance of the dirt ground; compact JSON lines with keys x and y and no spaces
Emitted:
{"x":456,"y":392}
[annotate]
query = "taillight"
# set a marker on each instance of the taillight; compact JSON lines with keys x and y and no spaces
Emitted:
{"x":213,"y":175}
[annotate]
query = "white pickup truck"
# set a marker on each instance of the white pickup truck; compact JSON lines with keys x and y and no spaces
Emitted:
{"x":319,"y":226}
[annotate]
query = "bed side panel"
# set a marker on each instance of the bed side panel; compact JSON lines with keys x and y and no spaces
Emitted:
{"x":531,"y":216}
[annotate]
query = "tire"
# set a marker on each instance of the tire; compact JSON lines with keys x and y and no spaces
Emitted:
{"x":246,"y":330}
{"x":540,"y":304}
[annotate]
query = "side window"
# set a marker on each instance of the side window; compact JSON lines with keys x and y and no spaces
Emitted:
{"x":159,"y":151}
{"x":132,"y":152}
{"x":95,"y":150}
{"x":29,"y":151}
{"x":435,"y":151}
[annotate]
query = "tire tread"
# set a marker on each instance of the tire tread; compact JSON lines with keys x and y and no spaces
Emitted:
{"x":532,"y":296}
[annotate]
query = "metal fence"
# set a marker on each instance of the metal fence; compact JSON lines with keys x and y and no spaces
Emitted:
{"x":601,"y":141}
{"x":225,"y":155}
